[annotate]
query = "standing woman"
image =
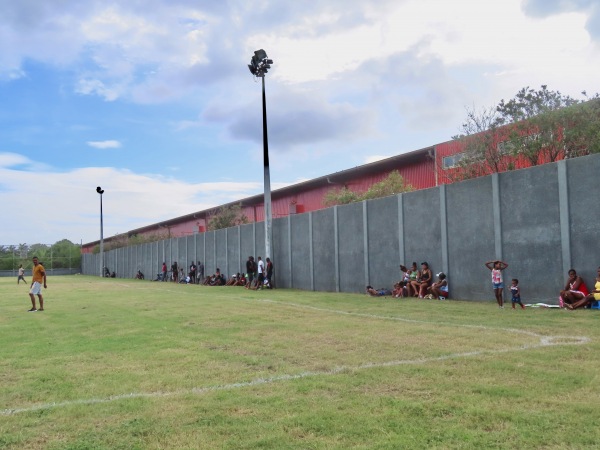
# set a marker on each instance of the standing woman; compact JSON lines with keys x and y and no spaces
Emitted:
{"x":496,"y":267}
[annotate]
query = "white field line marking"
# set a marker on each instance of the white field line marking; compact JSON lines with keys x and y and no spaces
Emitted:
{"x":544,"y":341}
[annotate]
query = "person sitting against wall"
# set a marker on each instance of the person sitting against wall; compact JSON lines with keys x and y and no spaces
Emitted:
{"x":219,"y":279}
{"x":574,"y":290}
{"x":593,"y":296}
{"x":232,"y":280}
{"x":409,"y":275}
{"x":439,"y":289}
{"x":185,"y":280}
{"x":398,"y":290}
{"x":241,"y":280}
{"x":419,"y":286}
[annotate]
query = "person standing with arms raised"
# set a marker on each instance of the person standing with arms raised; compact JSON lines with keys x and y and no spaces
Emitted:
{"x":39,"y":277}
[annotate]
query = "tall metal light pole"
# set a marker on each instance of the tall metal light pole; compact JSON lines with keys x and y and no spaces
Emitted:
{"x":259,"y":66}
{"x":100,"y":191}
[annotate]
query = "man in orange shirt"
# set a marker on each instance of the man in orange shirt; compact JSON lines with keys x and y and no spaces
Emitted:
{"x":39,"y":277}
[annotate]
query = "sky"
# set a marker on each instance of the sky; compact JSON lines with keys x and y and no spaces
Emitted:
{"x":153,"y":101}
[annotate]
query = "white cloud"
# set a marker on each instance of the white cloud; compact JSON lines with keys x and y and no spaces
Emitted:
{"x":88,"y":86}
{"x":104,"y":144}
{"x":52,"y":205}
{"x":13,"y":159}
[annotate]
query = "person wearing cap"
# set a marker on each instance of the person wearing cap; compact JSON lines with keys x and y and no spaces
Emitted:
{"x":439,"y":289}
{"x":420,"y":285}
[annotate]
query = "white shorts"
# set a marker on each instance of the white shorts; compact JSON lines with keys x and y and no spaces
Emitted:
{"x":36,"y":288}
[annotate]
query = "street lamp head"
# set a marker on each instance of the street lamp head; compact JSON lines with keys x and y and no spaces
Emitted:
{"x":99,"y":190}
{"x":259,"y":55}
{"x":260,"y":64}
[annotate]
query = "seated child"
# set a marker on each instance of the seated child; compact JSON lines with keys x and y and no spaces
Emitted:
{"x":439,"y":289}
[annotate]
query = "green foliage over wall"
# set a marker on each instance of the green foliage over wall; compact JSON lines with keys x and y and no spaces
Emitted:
{"x":393,"y":184}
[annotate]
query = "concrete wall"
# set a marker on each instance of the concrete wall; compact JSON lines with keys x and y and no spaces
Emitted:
{"x":542,"y":221}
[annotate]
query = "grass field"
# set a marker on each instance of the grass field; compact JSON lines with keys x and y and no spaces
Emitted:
{"x":127,"y":364}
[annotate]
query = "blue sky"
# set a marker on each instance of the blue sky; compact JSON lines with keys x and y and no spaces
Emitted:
{"x":153,"y":100}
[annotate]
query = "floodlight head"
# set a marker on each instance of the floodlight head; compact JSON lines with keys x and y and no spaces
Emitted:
{"x":260,"y":54}
{"x":99,"y":190}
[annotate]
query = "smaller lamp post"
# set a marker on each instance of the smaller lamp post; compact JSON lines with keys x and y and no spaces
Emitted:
{"x":100,"y":191}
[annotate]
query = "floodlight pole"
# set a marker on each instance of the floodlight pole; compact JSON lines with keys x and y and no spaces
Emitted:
{"x":268,"y":213}
{"x":259,"y":66}
{"x":100,"y":191}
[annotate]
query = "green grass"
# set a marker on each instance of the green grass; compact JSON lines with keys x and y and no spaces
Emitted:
{"x":127,"y":364}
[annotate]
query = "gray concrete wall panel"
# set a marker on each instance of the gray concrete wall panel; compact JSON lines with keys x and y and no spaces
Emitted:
{"x":470,"y":237}
{"x":260,"y":241}
{"x":584,"y":215}
{"x":422,"y":232}
{"x":210,"y":264}
{"x":233,"y":251}
{"x":382,"y":236}
{"x":221,"y":252}
{"x":247,"y":232}
{"x":301,"y":276}
{"x":351,"y":248}
{"x":531,"y":236}
{"x":280,"y":253}
{"x":323,"y":250}
{"x":200,"y":248}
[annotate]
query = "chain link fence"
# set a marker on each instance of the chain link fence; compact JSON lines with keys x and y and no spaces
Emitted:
{"x":61,"y":258}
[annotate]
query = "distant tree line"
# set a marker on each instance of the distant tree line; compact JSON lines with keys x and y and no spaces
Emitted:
{"x":62,"y":254}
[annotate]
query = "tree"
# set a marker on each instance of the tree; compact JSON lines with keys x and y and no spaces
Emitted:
{"x":65,"y":254}
{"x":581,"y":131}
{"x":226,"y":216}
{"x":341,"y":196}
{"x":537,"y":126}
{"x":481,"y":154}
{"x":536,"y":120}
{"x":393,"y":184}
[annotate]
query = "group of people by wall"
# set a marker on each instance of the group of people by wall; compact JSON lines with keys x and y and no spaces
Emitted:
{"x":419,"y":283}
{"x":576,"y":294}
{"x":195,"y":274}
{"x":258,"y":275}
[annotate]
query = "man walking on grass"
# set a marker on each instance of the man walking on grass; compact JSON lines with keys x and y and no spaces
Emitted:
{"x":39,"y":277}
{"x":21,"y":274}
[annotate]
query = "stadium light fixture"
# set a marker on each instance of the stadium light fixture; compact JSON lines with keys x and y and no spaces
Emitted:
{"x":259,"y":66}
{"x":100,"y":191}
